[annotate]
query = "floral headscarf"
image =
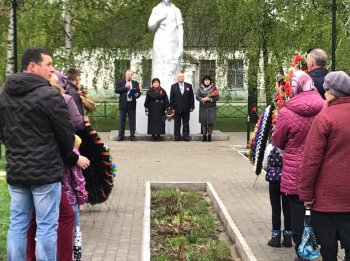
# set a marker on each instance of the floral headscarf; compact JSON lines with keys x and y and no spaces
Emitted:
{"x":301,"y":82}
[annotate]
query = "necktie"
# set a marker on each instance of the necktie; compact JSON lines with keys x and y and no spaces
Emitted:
{"x":182,"y":88}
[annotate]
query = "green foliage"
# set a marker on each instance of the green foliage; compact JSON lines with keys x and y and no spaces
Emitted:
{"x":276,"y":29}
{"x":4,"y":216}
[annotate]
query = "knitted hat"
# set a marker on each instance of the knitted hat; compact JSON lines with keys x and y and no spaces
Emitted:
{"x":337,"y":83}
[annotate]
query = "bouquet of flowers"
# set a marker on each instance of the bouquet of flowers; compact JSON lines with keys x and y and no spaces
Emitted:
{"x":88,"y":103}
{"x":214,"y":93}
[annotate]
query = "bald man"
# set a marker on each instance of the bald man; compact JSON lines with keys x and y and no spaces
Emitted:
{"x":182,"y":103}
{"x":129,"y":91}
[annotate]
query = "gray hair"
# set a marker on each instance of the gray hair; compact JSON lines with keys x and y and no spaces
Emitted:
{"x":319,"y":57}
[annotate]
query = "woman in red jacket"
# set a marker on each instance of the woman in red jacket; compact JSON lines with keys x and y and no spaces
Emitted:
{"x":293,"y":123}
{"x":325,"y":175}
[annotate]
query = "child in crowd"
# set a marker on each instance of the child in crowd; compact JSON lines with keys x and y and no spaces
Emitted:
{"x":74,"y":188}
{"x":273,"y":165}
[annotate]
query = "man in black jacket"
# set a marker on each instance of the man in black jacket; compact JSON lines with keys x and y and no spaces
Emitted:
{"x":316,"y":63}
{"x":73,"y":86}
{"x":182,"y":103}
{"x":129,"y":91}
{"x":37,"y":132}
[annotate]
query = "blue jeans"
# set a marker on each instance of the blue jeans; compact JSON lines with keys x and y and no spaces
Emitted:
{"x":75,"y":208}
{"x":45,"y":199}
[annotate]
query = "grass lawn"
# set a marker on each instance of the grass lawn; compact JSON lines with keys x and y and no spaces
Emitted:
{"x":4,"y":216}
{"x":2,"y":159}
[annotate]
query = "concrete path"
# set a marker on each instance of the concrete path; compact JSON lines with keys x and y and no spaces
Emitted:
{"x":113,"y":231}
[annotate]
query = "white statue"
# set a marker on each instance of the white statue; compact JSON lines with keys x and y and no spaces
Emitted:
{"x":166,"y":21}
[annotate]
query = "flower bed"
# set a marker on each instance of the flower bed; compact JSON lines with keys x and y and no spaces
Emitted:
{"x":184,"y":226}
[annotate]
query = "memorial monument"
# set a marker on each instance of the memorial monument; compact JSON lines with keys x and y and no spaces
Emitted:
{"x":167,"y":23}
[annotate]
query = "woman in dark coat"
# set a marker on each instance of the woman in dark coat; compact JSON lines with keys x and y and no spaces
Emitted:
{"x":207,"y":95}
{"x":156,"y":105}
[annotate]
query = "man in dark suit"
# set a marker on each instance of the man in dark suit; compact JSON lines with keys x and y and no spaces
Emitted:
{"x":129,"y":91}
{"x":182,"y":103}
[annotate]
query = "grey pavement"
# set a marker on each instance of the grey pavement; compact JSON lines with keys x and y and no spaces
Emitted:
{"x":113,"y":231}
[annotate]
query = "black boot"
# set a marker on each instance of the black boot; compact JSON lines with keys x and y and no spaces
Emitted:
{"x":275,"y":240}
{"x":154,"y":137}
{"x":287,"y":238}
{"x":209,"y":138}
{"x":204,"y":138}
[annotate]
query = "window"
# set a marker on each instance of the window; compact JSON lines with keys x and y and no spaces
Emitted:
{"x":146,"y":72}
{"x":120,"y":67}
{"x":207,"y":67}
{"x":235,"y":74}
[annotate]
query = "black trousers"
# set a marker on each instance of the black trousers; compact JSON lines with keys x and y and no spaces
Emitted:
{"x":185,"y":118}
{"x":330,"y":228}
{"x":279,"y":201}
{"x":297,"y":212}
{"x":122,"y":119}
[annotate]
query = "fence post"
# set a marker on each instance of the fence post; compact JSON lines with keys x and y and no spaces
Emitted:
{"x":105,"y":109}
{"x":248,"y":130}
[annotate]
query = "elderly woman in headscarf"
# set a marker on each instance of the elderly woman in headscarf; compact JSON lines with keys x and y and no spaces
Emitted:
{"x":293,"y":124}
{"x":325,"y":172}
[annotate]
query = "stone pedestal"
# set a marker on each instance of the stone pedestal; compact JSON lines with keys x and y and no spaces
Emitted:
{"x":141,"y":119}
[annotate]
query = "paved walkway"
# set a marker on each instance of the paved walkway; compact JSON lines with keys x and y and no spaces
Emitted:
{"x":108,"y":235}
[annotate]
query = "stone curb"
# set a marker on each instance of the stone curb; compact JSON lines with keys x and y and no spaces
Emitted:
{"x":232,"y":231}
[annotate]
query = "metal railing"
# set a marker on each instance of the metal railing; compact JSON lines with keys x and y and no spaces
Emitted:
{"x":228,"y":110}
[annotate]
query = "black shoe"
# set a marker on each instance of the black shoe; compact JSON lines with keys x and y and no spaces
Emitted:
{"x":132,"y":138}
{"x":209,"y":138}
{"x":120,"y":138}
{"x":158,"y":138}
{"x":177,"y":139}
{"x":287,"y":238}
{"x":154,"y":138}
{"x":204,"y":138}
{"x":275,"y":241}
{"x":187,"y":139}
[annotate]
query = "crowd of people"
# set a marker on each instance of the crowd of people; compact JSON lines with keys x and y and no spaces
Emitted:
{"x":305,"y":130}
{"x":42,"y":112}
{"x":302,"y":137}
{"x":159,"y":107}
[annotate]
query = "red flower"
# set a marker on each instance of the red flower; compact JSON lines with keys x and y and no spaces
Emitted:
{"x":280,"y":103}
{"x":289,"y":91}
{"x":83,"y":92}
{"x":254,"y":109}
{"x":298,"y":58}
{"x":213,"y":93}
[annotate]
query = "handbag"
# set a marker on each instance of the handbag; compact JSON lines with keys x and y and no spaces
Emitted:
{"x":308,"y":249}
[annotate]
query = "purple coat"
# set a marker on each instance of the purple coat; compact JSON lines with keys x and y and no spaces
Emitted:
{"x":74,"y":114}
{"x":73,"y":184}
{"x":293,"y":124}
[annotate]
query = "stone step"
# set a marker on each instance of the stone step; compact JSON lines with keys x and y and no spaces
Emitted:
{"x":216,"y":136}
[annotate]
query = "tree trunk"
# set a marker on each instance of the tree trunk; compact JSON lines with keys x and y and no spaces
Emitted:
{"x":68,"y":47}
{"x":253,"y":70}
{"x":10,"y":68}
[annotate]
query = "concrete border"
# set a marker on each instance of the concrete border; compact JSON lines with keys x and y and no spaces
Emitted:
{"x":232,"y":231}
